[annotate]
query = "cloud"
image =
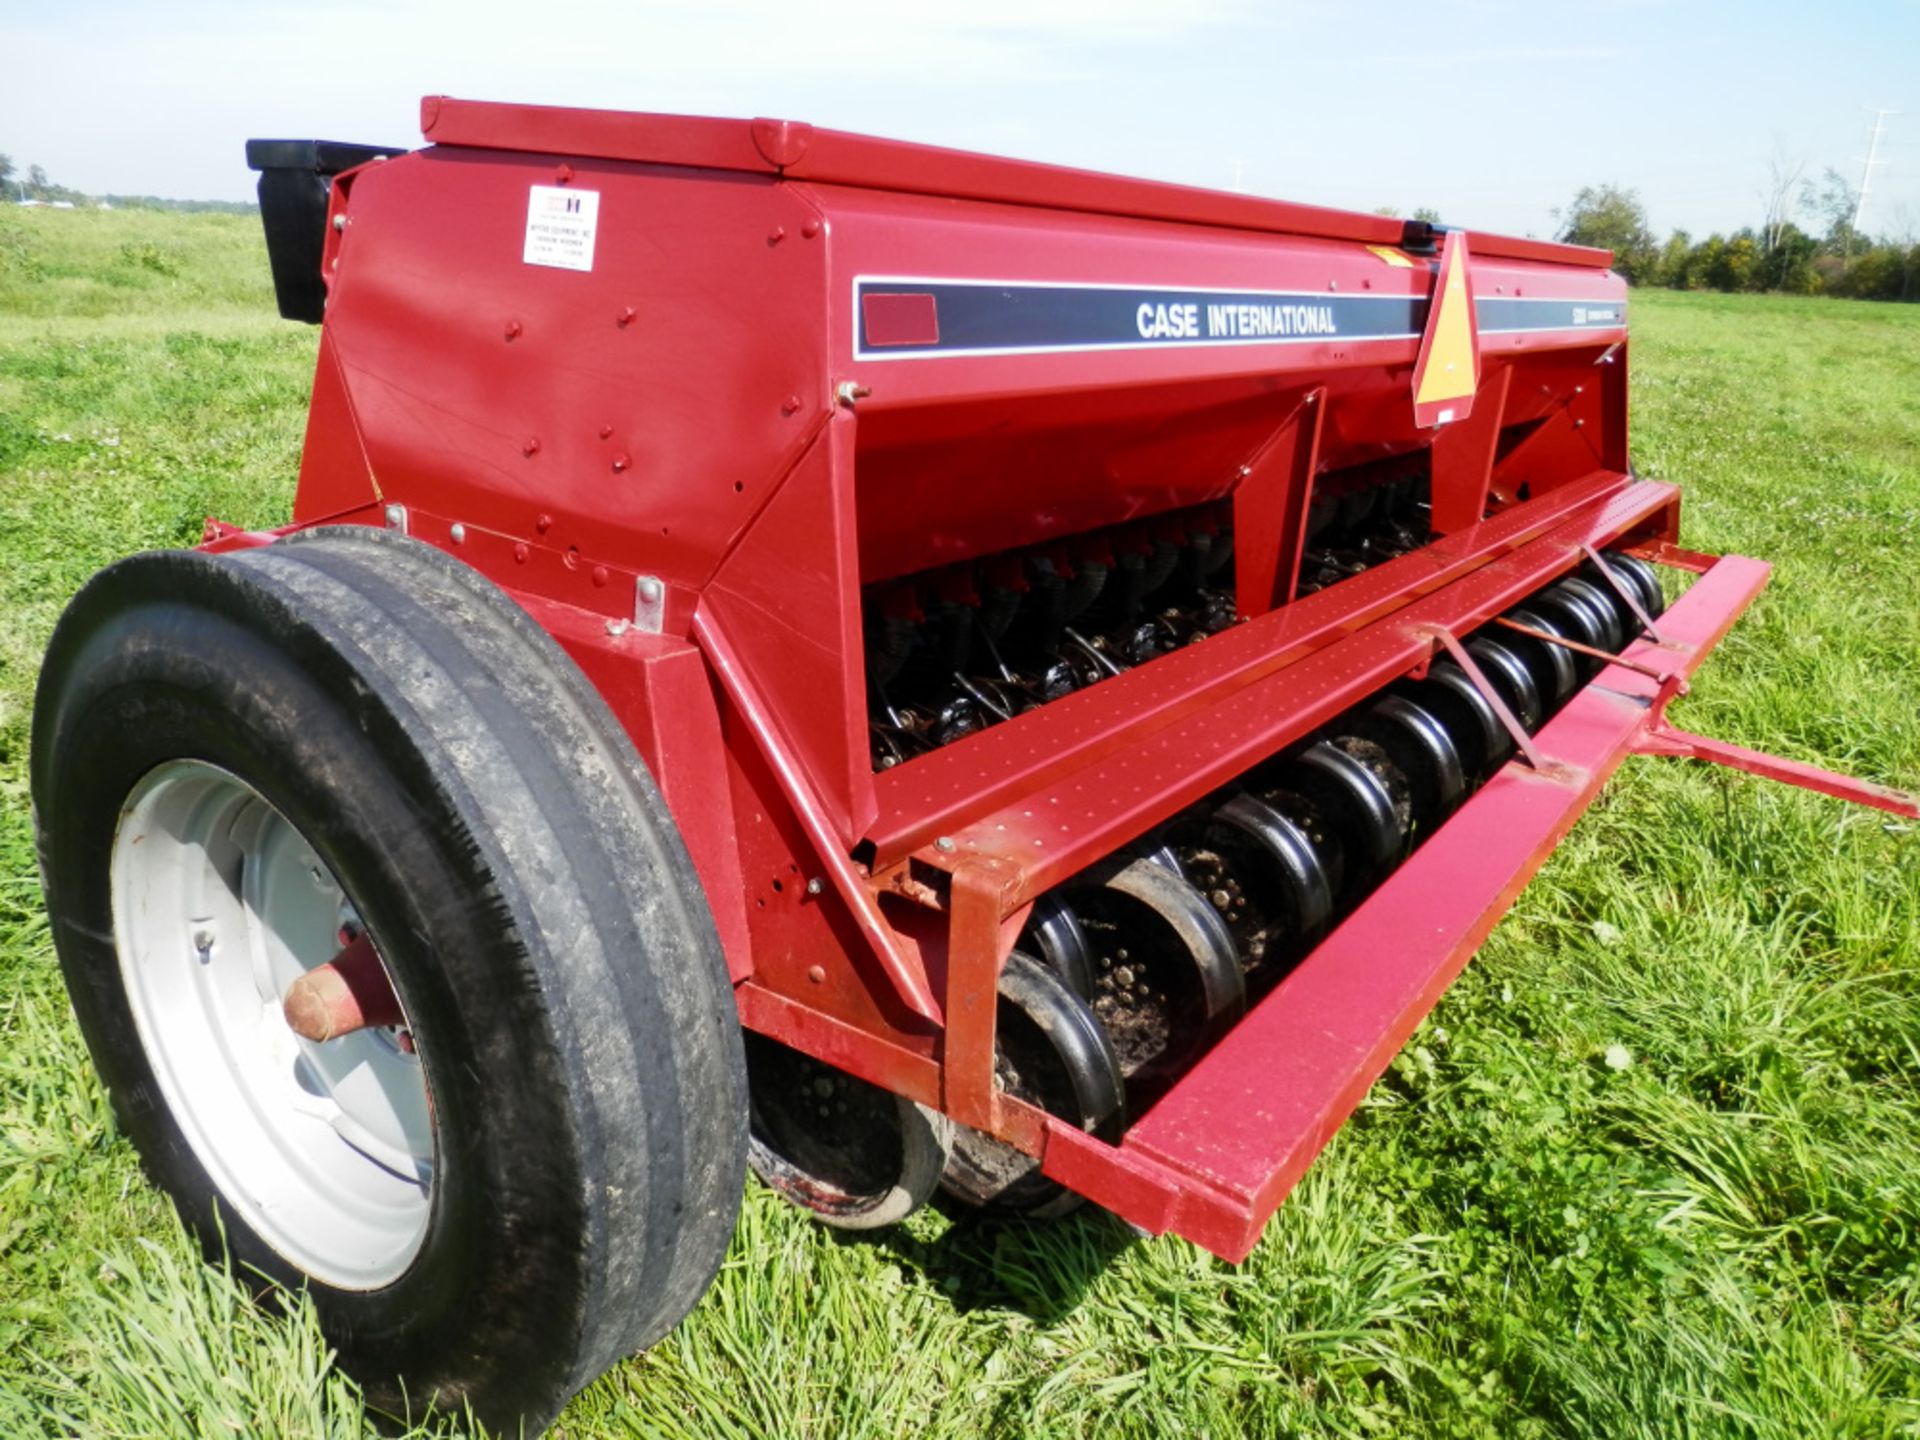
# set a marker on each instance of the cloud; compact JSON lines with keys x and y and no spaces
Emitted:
{"x":1519,"y":53}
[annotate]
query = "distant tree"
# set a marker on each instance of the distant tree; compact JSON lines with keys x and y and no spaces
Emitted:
{"x":1391,"y":212}
{"x":1611,"y":217}
{"x":1784,"y":174}
{"x":1786,"y":262}
{"x":1672,"y":270}
{"x":1703,"y":261}
{"x":1906,"y":239}
{"x":1834,"y":201}
{"x":36,"y":179}
{"x":1734,"y":267}
{"x":1427,"y":215}
{"x":6,"y":172}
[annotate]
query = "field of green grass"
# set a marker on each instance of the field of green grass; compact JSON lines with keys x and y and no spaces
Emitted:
{"x":1652,"y":1169}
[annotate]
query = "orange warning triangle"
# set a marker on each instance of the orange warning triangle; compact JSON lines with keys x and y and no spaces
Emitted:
{"x":1448,"y":370}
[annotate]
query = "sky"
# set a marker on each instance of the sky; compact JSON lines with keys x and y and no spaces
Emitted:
{"x":1493,"y":112}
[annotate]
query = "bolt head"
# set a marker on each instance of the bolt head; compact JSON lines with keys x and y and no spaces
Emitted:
{"x":339,"y":222}
{"x":817,"y":974}
{"x":396,"y":517}
{"x":814,"y":887}
{"x":944,"y":843}
{"x":458,"y":534}
{"x":650,"y":590}
{"x":620,"y":463}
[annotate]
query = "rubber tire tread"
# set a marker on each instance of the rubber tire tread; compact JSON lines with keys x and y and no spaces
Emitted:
{"x":582,"y":1044}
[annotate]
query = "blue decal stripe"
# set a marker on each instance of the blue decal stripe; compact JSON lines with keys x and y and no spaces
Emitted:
{"x":978,"y":317}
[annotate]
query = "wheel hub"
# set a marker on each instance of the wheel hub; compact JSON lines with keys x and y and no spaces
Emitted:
{"x":326,"y":1150}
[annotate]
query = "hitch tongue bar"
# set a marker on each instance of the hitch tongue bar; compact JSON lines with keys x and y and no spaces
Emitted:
{"x":1661,"y":738}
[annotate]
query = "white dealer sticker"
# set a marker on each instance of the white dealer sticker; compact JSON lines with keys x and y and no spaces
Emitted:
{"x":560,"y":226}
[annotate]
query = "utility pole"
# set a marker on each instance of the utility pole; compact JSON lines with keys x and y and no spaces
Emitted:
{"x":1866,"y":168}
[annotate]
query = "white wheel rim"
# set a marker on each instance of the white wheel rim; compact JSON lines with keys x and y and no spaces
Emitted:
{"x":326,"y":1151}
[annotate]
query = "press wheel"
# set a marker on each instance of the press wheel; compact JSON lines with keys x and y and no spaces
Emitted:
{"x":1051,"y":1052}
{"x":1262,"y":874}
{"x":853,"y":1155}
{"x":1166,"y":978}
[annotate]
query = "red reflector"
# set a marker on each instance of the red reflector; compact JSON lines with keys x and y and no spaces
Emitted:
{"x":900,"y":319}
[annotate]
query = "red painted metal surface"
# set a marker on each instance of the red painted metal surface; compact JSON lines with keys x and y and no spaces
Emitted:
{"x":1661,"y":738}
{"x":800,"y":371}
{"x":798,"y":151}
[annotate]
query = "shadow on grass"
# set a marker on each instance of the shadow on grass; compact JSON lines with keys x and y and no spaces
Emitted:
{"x":1043,"y":1269}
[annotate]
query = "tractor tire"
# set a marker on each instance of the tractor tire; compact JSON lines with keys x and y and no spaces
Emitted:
{"x":536,"y":1172}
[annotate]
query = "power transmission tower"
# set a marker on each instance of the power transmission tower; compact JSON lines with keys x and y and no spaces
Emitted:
{"x":1866,"y":167}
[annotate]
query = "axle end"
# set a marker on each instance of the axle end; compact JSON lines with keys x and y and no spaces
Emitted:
{"x":350,"y":992}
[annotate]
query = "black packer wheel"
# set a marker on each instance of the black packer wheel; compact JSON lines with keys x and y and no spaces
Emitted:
{"x":1507,"y":672}
{"x":1554,"y":673}
{"x":1050,"y":1052}
{"x":1166,"y":980}
{"x":1420,"y":746}
{"x":1262,"y":874}
{"x":1606,"y":605}
{"x":853,"y":1155}
{"x":1359,"y":796}
{"x":1577,"y":618}
{"x":1449,"y":692}
{"x":1054,"y":936}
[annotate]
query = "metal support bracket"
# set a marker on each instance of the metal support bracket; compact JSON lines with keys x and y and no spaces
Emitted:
{"x":1521,"y":739}
{"x":1625,"y":592}
{"x":1651,"y":672}
{"x":1661,"y":738}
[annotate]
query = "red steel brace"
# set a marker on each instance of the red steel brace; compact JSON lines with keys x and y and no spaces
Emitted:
{"x":1662,"y":738}
{"x":1466,"y":662}
{"x":1625,"y":592}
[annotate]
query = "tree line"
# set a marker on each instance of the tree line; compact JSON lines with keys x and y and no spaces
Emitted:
{"x":1780,"y":254}
{"x":34,"y":185}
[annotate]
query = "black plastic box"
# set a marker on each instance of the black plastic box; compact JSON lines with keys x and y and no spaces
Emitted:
{"x":295,"y":179}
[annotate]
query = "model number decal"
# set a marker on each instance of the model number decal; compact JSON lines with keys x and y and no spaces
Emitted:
{"x":562,"y":222}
